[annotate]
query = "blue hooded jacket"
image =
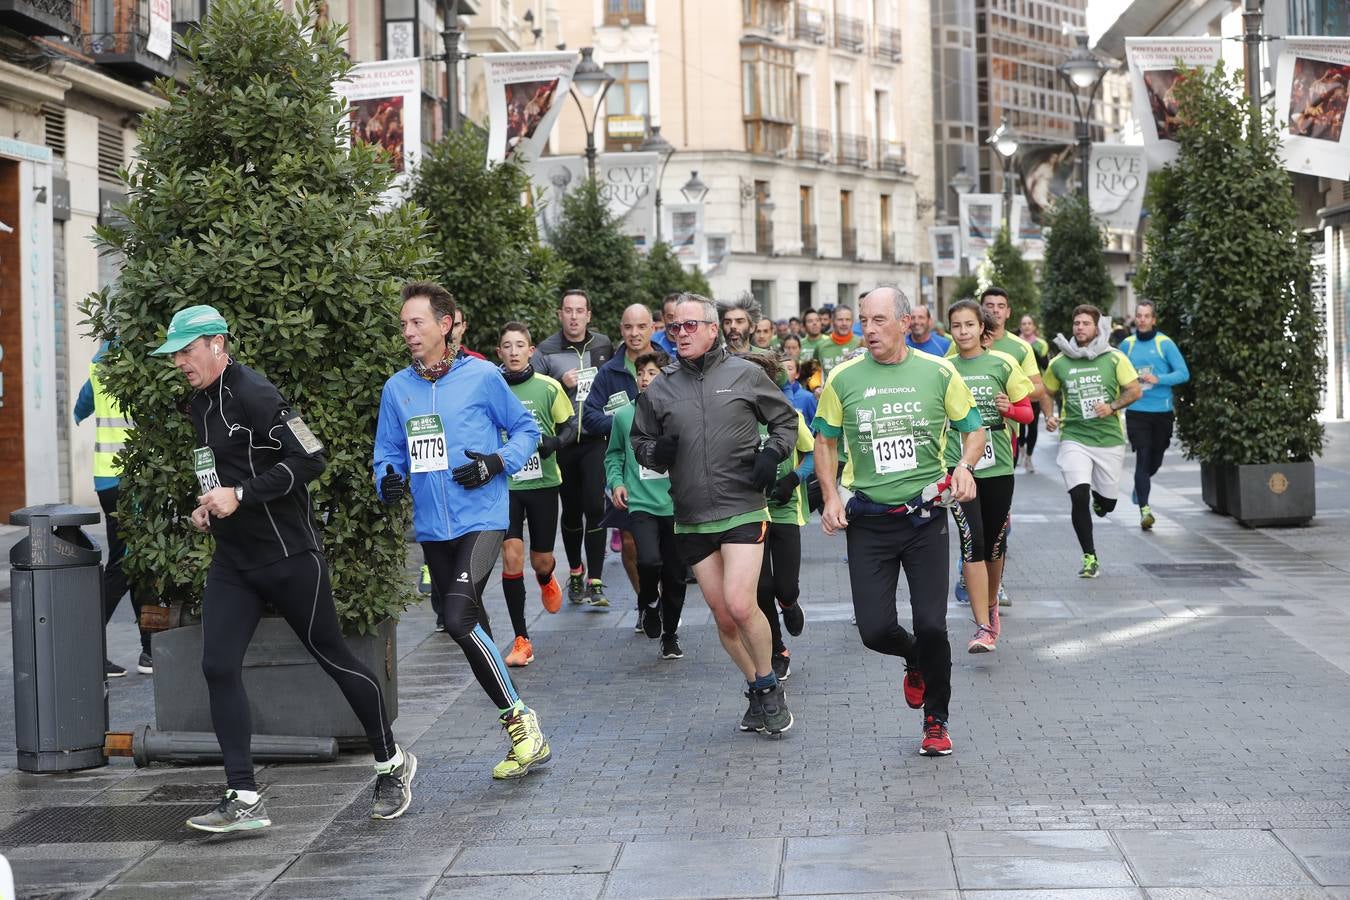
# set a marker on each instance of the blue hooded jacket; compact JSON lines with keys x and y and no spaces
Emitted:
{"x":613,"y":378}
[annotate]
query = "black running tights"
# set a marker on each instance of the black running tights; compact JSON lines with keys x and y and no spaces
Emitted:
{"x":780,"y":575}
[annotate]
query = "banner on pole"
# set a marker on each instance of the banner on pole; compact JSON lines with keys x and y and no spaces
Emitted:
{"x":1153,"y":78}
{"x":1117,"y":179}
{"x":1026,"y":234}
{"x":981,"y":218}
{"x":385,"y":108}
{"x":525,"y":95}
{"x":627,"y":182}
{"x":1310,"y":101}
{"x":160,"y":40}
{"x":944,"y":248}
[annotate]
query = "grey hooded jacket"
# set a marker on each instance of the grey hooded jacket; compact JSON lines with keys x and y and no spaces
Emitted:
{"x":716,"y":405}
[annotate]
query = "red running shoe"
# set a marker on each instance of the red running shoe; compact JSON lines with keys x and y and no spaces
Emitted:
{"x":914,"y":688}
{"x":936,"y":740}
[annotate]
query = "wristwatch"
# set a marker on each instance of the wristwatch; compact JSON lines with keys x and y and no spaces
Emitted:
{"x":967,"y":466}
{"x":239,"y":494}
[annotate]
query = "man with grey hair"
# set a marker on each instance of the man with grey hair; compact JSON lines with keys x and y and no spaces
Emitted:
{"x":739,"y":318}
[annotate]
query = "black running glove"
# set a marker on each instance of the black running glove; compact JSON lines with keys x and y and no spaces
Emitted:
{"x":782,"y":489}
{"x":663,"y":454}
{"x":548,"y":445}
{"x":393,"y":486}
{"x":765,"y":471}
{"x":479,"y":470}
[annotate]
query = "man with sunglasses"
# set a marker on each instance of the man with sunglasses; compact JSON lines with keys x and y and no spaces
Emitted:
{"x":708,"y":407}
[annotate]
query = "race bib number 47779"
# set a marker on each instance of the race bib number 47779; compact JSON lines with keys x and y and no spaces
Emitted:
{"x":426,"y":444}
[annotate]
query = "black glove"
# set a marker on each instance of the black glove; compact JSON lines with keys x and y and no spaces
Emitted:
{"x":548,"y":445}
{"x":663,"y":454}
{"x":782,"y":489}
{"x":481,"y":468}
{"x":393,"y":486}
{"x":766,"y":469}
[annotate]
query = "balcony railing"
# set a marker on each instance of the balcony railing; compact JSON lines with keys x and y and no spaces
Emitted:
{"x":851,"y":150}
{"x":810,"y":24}
{"x":764,"y":237}
{"x":810,"y":246}
{"x":887,"y":247}
{"x":887,"y":45}
{"x":813,"y":144}
{"x":125,"y":48}
{"x":46,"y":17}
{"x":848,"y":33}
{"x":848,"y":243}
{"x":891,"y":156}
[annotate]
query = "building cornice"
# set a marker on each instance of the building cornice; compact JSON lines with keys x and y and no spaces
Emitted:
{"x":29,"y":87}
{"x":95,"y":84}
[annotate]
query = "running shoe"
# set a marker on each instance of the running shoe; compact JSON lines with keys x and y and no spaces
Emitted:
{"x":773,"y":705}
{"x":794,"y":620}
{"x":1098,"y":509}
{"x":393,"y":789}
{"x":1146,"y":519}
{"x":1003,"y":598}
{"x":440,"y":624}
{"x":576,"y":586}
{"x":994,"y":624}
{"x":936,"y":740}
{"x":145,"y":664}
{"x":983,"y":641}
{"x":528,"y":747}
{"x":232,"y":814}
{"x":914,"y":688}
{"x":424,"y":584}
{"x":551,"y":595}
{"x":637,"y":621}
{"x":651,"y":622}
{"x":670,"y":647}
{"x":522,"y":653}
{"x":595,"y":593}
{"x":753,"y":720}
{"x":782,"y":665}
{"x":962,"y":595}
{"x":615,"y":541}
{"x":1090,"y":567}
{"x":113,"y":670}
{"x":1031,"y":467}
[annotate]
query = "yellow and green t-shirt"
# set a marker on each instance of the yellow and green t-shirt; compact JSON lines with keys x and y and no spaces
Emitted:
{"x":1014,"y":346}
{"x":893,"y":419}
{"x":793,"y":512}
{"x":832,"y":354}
{"x":810,"y":346}
{"x":547,"y":401}
{"x":988,"y":375}
{"x":1081,"y":385}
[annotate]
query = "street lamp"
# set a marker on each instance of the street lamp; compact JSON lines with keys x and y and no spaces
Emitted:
{"x":962,"y":182}
{"x":1083,"y":73}
{"x":591,"y":81}
{"x":694,"y":189}
{"x":1004,"y":141}
{"x":664,"y":149}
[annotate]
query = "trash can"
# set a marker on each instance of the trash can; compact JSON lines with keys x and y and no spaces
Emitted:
{"x":56,"y":602}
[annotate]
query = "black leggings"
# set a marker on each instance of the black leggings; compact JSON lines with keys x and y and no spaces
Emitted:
{"x":878,"y":547}
{"x":658,"y":563}
{"x":982,"y":523}
{"x":1081,"y":499}
{"x":537,"y":509}
{"x":1030,"y":431}
{"x":115,"y":582}
{"x":459,"y":571}
{"x":583,"y":495}
{"x":780,"y":575}
{"x":1149,"y":434}
{"x":232,"y":604}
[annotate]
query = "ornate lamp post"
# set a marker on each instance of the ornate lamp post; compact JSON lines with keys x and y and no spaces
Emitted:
{"x":1083,"y":73}
{"x":664,"y":150}
{"x":590,"y":80}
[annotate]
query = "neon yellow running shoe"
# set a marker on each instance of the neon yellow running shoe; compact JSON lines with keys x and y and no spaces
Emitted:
{"x":528,"y":746}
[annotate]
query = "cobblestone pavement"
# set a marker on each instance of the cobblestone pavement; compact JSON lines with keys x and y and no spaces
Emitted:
{"x":1159,"y":732}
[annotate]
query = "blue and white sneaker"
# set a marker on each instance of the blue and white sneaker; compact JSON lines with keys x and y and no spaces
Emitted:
{"x":962,"y":595}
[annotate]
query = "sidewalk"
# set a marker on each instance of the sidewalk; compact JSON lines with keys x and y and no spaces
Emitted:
{"x":1177,"y":728}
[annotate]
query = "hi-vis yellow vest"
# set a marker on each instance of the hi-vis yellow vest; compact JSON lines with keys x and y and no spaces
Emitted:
{"x":111,"y":432}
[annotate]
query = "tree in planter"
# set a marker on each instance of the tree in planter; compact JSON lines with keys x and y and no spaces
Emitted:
{"x":599,"y":258}
{"x":662,"y":273}
{"x":1233,"y":283}
{"x":1010,"y":271}
{"x":1075,"y":265}
{"x":243,"y":198}
{"x":489,"y":255}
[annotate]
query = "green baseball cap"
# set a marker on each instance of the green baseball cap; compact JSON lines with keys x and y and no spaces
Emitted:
{"x":188,"y":325}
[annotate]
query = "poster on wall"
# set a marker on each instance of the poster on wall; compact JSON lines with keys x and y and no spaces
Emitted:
{"x":160,"y":40}
{"x":1027,"y":234}
{"x":627,"y":182}
{"x":1153,"y":79}
{"x":1117,"y":179}
{"x":684,"y":230}
{"x":385,"y":109}
{"x":1311,"y":81}
{"x":944,"y":249}
{"x":525,"y":95}
{"x":981,"y":218}
{"x":1048,"y":173}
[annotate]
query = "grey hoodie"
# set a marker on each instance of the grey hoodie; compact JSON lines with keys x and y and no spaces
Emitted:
{"x":716,"y":405}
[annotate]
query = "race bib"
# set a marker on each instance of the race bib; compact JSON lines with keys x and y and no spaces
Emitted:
{"x":533,"y":469}
{"x":426,"y":444}
{"x":585,"y":378}
{"x":1087,"y":406}
{"x":893,"y":447}
{"x":987,"y":457}
{"x":204,"y":464}
{"x":646,"y":474}
{"x":615,"y":402}
{"x":1145,"y":370}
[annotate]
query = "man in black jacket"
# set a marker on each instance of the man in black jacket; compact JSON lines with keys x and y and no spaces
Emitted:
{"x":699,"y":421}
{"x":254,"y":460}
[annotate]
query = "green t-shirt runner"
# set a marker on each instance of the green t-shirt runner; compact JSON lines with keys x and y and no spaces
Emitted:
{"x":793,"y":512}
{"x":830,"y":353}
{"x":988,"y":375}
{"x":893,"y":419}
{"x":1081,"y":385}
{"x":547,"y":401}
{"x":810,"y":345}
{"x":1014,"y":346}
{"x":648,"y":491}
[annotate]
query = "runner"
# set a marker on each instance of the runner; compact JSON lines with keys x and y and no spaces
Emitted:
{"x":254,"y":460}
{"x":573,"y":356}
{"x":645,"y":496}
{"x":699,"y":421}
{"x":922,"y":336}
{"x":1148,"y":422}
{"x":449,"y":428}
{"x":801,"y":399}
{"x":663,"y":339}
{"x":764,"y":337}
{"x":739,"y":319}
{"x":840,"y":344}
{"x":891,"y":406}
{"x":534,"y":489}
{"x":1001,"y":391}
{"x":812,"y":336}
{"x":1028,"y":331}
{"x":1094,"y":382}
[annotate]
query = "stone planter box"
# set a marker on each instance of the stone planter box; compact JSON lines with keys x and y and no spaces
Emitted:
{"x":1271,"y":495}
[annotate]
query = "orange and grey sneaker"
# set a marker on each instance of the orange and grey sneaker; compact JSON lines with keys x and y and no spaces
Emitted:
{"x":914,"y":688}
{"x":936,"y":740}
{"x":551,"y":595}
{"x":522,"y":653}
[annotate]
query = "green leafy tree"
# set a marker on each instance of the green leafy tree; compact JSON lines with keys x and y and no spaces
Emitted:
{"x":489,"y":255}
{"x":1075,"y":265}
{"x":662,"y":273}
{"x":1010,"y":271}
{"x":244,"y":198}
{"x":599,"y":258}
{"x":967,"y":288}
{"x":1232,"y":278}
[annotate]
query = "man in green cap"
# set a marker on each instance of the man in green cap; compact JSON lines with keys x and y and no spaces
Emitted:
{"x":254,"y":460}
